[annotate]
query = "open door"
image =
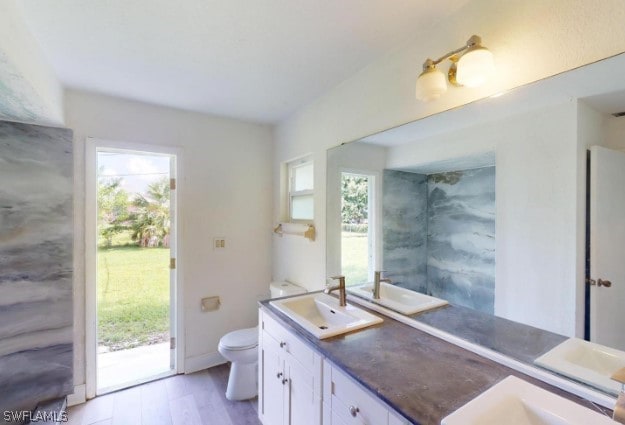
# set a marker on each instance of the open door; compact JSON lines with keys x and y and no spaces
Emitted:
{"x":607,"y":246}
{"x":132,"y":296}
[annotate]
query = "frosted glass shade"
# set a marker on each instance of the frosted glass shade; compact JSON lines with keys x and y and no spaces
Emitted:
{"x":430,"y":85}
{"x":475,"y":67}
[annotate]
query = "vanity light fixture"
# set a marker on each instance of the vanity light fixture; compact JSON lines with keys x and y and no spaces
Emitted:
{"x":471,"y":66}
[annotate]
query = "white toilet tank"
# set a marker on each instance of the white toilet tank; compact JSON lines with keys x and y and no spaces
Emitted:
{"x":285,"y":289}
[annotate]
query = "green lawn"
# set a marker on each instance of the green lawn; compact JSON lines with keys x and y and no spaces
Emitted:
{"x":133,"y":296}
{"x":354,"y":259}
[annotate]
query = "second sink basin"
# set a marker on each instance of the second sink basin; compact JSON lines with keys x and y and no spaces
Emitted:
{"x":399,"y":299}
{"x":514,"y":401}
{"x":585,"y":361}
{"x":321,"y":315}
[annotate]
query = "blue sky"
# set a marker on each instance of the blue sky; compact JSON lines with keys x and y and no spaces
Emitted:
{"x":137,"y":171}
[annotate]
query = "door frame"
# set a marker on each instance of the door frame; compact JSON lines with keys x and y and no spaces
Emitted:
{"x":91,"y":147}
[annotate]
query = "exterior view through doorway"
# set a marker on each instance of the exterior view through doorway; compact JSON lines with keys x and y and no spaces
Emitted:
{"x":135,"y":267}
{"x":357,"y":227}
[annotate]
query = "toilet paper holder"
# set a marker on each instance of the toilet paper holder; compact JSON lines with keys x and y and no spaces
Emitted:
{"x":210,"y":303}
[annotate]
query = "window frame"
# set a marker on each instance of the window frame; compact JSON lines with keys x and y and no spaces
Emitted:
{"x":294,"y":194}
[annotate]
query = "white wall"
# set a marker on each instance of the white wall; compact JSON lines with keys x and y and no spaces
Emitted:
{"x":30,"y":91}
{"x":226,"y":191}
{"x":615,"y":132}
{"x":530,"y":39}
{"x":537,"y":195}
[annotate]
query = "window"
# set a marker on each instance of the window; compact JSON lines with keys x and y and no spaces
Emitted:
{"x":301,"y":204}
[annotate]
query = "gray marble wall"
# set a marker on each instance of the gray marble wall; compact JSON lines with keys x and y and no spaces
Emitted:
{"x":461,"y":238}
{"x":439,"y":234}
{"x":404,"y":227}
{"x":36,"y":235}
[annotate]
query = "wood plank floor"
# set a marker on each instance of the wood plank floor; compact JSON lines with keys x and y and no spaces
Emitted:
{"x":196,"y":399}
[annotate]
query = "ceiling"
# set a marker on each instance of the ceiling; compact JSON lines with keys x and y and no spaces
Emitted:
{"x":257,"y":60}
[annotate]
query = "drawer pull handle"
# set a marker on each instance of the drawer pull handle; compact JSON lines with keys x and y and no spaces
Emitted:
{"x":353,"y":410}
{"x":282,"y":344}
{"x":279,"y":375}
{"x":284,"y":381}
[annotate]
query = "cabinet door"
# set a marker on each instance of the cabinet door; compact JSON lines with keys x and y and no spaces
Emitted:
{"x":353,"y":405}
{"x":304,"y":408}
{"x":272,"y":385}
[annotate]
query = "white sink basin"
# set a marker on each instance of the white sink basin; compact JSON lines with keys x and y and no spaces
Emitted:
{"x":585,"y":361}
{"x":399,"y":299}
{"x":514,"y":401}
{"x":321,"y":315}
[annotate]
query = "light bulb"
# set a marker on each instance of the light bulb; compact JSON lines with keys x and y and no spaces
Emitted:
{"x":430,"y":84}
{"x":475,"y":67}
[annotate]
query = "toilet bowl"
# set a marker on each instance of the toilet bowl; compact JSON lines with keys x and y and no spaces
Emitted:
{"x":240,"y":347}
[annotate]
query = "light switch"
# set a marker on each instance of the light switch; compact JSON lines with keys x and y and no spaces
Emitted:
{"x":219,"y":243}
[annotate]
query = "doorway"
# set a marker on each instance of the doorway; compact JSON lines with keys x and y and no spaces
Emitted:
{"x":357,"y":226}
{"x":605,"y":272}
{"x":133,"y":273}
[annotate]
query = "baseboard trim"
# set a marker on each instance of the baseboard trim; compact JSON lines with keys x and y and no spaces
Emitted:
{"x":78,"y":397}
{"x":193,"y":364}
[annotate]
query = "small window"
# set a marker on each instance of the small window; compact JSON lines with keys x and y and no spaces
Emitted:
{"x":301,"y":204}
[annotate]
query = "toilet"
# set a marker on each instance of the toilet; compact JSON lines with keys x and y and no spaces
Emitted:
{"x":240,"y":347}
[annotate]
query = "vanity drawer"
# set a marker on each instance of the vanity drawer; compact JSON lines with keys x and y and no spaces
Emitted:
{"x":288,"y":342}
{"x":352,"y":405}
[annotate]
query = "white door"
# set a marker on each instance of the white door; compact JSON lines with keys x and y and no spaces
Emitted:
{"x":607,"y":246}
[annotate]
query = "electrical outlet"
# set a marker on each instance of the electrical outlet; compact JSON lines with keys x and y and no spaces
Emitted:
{"x":219,"y":243}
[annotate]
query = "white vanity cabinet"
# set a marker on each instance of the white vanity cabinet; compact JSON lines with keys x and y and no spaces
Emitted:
{"x":297,"y":386}
{"x":289,"y":377}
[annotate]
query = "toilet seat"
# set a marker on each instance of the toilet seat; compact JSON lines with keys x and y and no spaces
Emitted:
{"x":242,"y":339}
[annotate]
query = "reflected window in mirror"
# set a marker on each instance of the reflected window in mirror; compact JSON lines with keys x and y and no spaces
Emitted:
{"x":357,"y":249}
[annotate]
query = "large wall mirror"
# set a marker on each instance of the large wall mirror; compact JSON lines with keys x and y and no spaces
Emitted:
{"x":511,"y":210}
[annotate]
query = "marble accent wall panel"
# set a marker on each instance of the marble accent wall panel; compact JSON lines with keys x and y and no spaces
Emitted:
{"x":36,"y":236}
{"x":461,"y":237}
{"x":404,"y":228}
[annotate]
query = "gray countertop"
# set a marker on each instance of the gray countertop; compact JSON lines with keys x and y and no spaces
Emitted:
{"x":516,"y":340}
{"x":420,"y":376}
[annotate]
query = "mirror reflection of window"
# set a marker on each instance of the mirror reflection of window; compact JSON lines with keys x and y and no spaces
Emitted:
{"x":357,"y":253}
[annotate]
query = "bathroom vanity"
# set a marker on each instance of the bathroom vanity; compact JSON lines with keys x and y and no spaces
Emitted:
{"x":389,"y":373}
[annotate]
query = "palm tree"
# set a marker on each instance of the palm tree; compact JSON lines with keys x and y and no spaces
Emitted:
{"x":112,"y":208}
{"x":150,"y":215}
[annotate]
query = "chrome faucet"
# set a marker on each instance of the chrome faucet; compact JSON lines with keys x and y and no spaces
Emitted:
{"x":341,"y":289}
{"x":619,"y":408}
{"x":376,"y":283}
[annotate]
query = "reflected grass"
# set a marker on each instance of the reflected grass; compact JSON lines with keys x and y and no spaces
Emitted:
{"x":354,"y":257}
